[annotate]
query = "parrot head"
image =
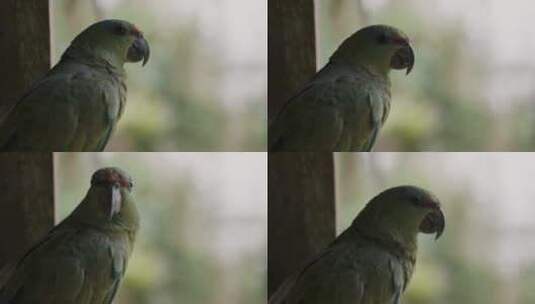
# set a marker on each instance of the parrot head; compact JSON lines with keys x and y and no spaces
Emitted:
{"x":115,"y":41}
{"x":116,"y":186}
{"x":379,"y":48}
{"x":404,"y":211}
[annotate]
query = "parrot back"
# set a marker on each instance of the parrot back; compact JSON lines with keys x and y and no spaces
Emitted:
{"x":340,"y":109}
{"x":74,"y":108}
{"x":352,"y":270}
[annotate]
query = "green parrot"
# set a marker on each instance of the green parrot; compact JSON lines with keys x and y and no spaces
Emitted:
{"x":77,"y":105}
{"x":343,"y":107}
{"x":372,"y":261}
{"x":83,"y":259}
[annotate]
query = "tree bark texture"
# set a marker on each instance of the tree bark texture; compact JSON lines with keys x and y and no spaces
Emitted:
{"x":26,"y":179}
{"x":25,"y":47}
{"x":27,"y":201}
{"x":291,"y":49}
{"x":301,"y":210}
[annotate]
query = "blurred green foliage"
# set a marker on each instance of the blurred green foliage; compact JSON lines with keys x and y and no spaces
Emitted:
{"x":176,"y":102}
{"x":182,"y":250}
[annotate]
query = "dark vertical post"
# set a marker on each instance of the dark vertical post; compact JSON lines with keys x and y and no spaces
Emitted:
{"x":25,"y":47}
{"x":26,"y":179}
{"x":291,"y":49}
{"x":301,"y":210}
{"x":27,"y":201}
{"x":301,"y":218}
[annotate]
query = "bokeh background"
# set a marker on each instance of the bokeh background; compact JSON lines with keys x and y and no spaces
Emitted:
{"x":203,"y":233}
{"x":204,"y":88}
{"x":473,"y":84}
{"x":487,"y":252}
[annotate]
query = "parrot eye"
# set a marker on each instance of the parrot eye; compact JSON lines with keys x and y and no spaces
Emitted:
{"x":415,"y":200}
{"x":120,"y":30}
{"x":130,"y":185}
{"x":382,"y":39}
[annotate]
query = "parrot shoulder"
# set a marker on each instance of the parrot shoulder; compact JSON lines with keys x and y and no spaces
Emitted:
{"x":389,"y":262}
{"x":104,"y":96}
{"x":365,"y":100}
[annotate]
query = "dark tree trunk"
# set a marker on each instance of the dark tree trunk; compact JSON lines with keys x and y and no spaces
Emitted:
{"x":291,"y":49}
{"x":26,"y":179}
{"x":27,"y":209}
{"x":301,"y":210}
{"x":25,"y":47}
{"x":301,"y":218}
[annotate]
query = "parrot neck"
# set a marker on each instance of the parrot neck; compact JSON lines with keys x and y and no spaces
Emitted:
{"x":91,"y":213}
{"x":388,"y":243}
{"x":386,"y":231}
{"x":374,"y":67}
{"x":128,"y":218}
{"x":103,"y":60}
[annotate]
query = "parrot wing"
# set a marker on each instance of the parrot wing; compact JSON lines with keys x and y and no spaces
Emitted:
{"x":286,"y":288}
{"x":6,"y":272}
{"x":119,"y":258}
{"x":70,"y":266}
{"x":316,"y":283}
{"x":352,"y":270}
{"x":59,"y":276}
{"x":71,"y":109}
{"x":334,"y":113}
{"x":43,"y":117}
{"x":379,"y":114}
{"x":114,"y":107}
{"x":400,"y":279}
{"x":308,"y":122}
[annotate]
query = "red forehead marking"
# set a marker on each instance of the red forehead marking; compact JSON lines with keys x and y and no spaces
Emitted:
{"x":431,"y":204}
{"x":400,"y":40}
{"x":136,"y":31}
{"x":114,"y":177}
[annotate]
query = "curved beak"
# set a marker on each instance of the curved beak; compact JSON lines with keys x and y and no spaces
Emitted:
{"x":116,"y":200}
{"x":434,"y":222}
{"x":139,"y":50}
{"x":403,"y":58}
